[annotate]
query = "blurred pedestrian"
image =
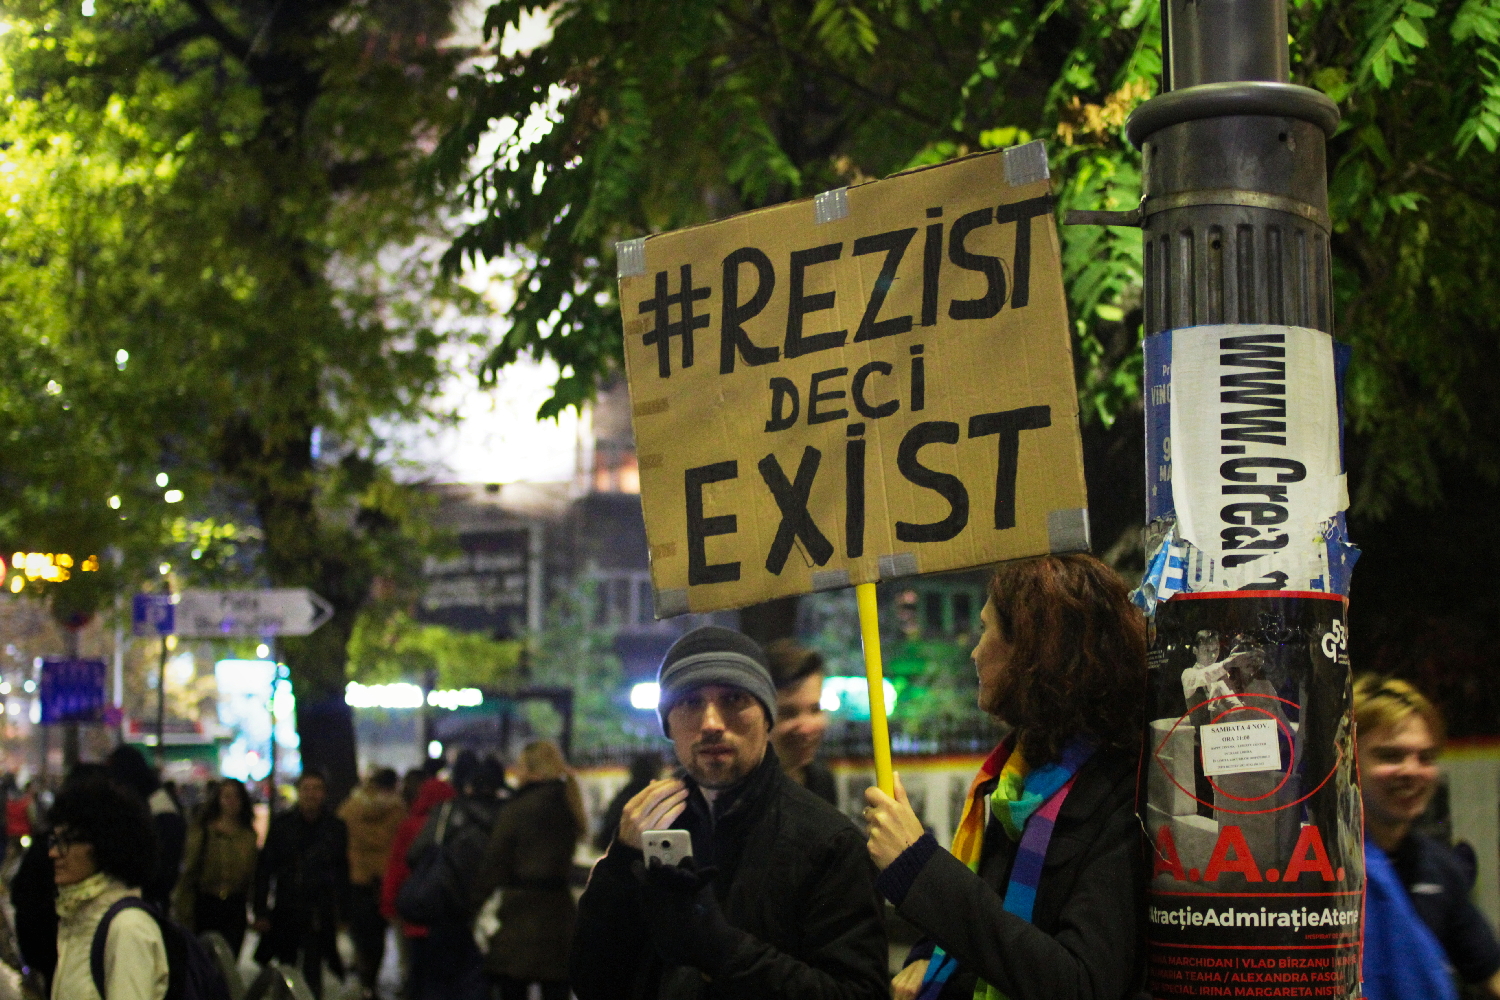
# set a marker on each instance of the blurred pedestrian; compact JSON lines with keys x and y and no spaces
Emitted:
{"x":128,"y":766}
{"x":644,"y":769}
{"x":460,"y":829}
{"x":779,"y":899}
{"x":33,"y":890}
{"x":218,"y":871}
{"x":421,"y":982}
{"x":1419,"y":920}
{"x":800,"y":719}
{"x":371,"y":813}
{"x":103,"y":849}
{"x":529,"y":859}
{"x":411,"y":784}
{"x":306,"y":863}
{"x":1062,"y":659}
{"x":17,"y":823}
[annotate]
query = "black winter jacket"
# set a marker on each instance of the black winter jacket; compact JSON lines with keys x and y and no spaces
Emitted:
{"x":1086,"y":937}
{"x":793,"y":874}
{"x":308,"y":862}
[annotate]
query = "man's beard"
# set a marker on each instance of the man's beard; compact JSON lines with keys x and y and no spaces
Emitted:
{"x":728,"y":766}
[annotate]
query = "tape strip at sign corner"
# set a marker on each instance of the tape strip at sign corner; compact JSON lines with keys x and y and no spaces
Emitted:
{"x":630,"y":255}
{"x":1026,"y":163}
{"x":830,"y":579}
{"x":898,"y":564}
{"x":831,"y":206}
{"x":671,"y":603}
{"x":1068,"y":530}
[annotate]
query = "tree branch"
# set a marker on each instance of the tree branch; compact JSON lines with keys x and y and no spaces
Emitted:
{"x":211,"y":26}
{"x":892,"y":100}
{"x":173,"y":39}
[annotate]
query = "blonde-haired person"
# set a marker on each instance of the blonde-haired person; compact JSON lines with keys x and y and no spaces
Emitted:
{"x":529,"y":858}
{"x":1419,"y":920}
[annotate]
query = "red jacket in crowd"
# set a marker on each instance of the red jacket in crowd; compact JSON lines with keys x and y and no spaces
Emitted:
{"x":434,"y":792}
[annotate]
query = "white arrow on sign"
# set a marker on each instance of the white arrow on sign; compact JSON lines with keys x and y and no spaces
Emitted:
{"x":250,"y":613}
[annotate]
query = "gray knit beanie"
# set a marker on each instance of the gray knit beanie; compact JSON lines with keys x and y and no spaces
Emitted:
{"x":714,"y":655}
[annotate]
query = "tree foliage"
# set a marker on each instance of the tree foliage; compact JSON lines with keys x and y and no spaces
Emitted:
{"x":646,"y":116}
{"x":215,"y":262}
{"x":1414,"y":191}
{"x":571,"y":651}
{"x":389,"y":645}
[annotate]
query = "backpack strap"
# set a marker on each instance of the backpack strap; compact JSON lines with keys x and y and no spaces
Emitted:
{"x":101,"y":936}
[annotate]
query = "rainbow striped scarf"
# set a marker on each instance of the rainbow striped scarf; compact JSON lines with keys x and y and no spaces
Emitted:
{"x":1026,"y":802}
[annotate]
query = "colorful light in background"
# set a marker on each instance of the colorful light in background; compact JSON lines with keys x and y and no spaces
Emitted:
{"x":849,"y":695}
{"x":245,"y":708}
{"x":49,"y":567}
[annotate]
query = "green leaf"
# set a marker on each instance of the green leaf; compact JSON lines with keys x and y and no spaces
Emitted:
{"x":1411,"y":31}
{"x":1333,"y":81}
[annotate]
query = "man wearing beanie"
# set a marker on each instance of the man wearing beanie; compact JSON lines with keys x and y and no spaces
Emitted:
{"x":778,"y":899}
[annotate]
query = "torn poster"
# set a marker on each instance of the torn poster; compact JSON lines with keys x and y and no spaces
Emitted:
{"x":1250,"y":798}
{"x":1253,"y":453}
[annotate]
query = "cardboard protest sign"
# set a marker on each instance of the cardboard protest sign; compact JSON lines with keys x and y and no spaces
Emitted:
{"x":874,"y":383}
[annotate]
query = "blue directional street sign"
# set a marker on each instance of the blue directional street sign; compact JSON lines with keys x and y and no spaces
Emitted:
{"x":152,"y":613}
{"x":72,"y":691}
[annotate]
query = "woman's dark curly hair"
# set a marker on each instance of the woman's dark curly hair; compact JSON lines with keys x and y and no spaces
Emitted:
{"x":115,"y":821}
{"x":1077,"y":659}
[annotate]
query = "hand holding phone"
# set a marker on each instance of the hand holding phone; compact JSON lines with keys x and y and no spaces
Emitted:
{"x":669,"y":847}
{"x":655,"y":807}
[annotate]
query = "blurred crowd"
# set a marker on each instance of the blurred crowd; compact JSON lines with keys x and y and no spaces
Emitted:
{"x":732,"y":874}
{"x":281,"y":889}
{"x":467,"y":869}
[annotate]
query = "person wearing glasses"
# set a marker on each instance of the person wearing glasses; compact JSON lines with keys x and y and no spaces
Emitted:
{"x":779,"y":898}
{"x":103,"y":849}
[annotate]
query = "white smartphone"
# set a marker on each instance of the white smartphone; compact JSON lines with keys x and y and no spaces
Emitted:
{"x":667,"y":846}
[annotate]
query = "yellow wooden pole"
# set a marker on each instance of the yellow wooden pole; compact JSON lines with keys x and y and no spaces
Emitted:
{"x":880,"y":731}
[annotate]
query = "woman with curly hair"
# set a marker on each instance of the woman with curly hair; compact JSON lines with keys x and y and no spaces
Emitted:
{"x":1042,"y":893}
{"x":103,"y":848}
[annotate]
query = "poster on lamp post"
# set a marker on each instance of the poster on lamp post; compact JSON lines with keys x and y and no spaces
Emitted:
{"x":1250,"y":798}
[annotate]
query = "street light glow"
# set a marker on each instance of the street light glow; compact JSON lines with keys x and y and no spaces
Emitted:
{"x":172,"y":496}
{"x":402,"y":695}
{"x":852,"y":694}
{"x":454,"y":700}
{"x":162,"y":479}
{"x":645,"y":696}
